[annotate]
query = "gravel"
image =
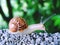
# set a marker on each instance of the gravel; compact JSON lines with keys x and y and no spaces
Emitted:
{"x":30,"y":39}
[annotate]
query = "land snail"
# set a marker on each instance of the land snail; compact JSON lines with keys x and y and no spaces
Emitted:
{"x":19,"y":24}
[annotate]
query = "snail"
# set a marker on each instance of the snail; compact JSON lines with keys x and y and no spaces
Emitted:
{"x":19,"y":25}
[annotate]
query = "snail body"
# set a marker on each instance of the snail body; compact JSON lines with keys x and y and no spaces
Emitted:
{"x":18,"y":24}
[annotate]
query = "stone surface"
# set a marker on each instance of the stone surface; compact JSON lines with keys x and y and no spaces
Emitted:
{"x":31,"y":39}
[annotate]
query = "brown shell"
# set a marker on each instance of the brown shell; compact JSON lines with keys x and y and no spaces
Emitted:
{"x":17,"y":23}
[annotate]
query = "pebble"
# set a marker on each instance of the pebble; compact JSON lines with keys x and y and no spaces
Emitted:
{"x":30,"y":39}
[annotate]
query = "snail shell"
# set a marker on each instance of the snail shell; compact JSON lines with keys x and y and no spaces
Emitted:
{"x":17,"y":24}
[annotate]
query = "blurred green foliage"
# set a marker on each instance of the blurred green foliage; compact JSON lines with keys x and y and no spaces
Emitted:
{"x":31,"y":11}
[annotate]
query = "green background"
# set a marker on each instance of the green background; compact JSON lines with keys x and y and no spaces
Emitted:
{"x":31,"y":11}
